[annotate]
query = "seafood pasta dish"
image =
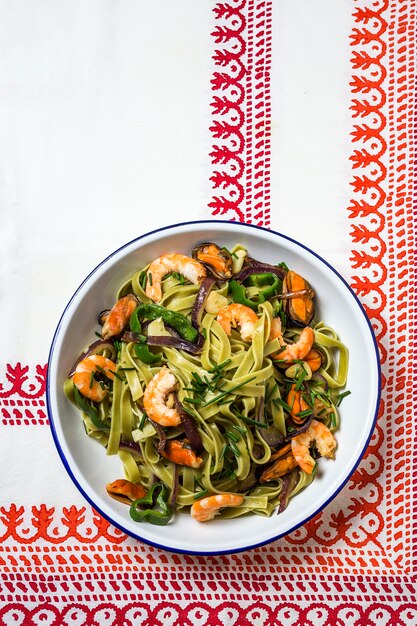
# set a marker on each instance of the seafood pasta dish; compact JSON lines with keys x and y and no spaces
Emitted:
{"x":215,"y":384}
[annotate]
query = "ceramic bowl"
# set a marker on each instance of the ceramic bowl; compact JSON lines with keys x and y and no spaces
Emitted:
{"x":85,"y":460}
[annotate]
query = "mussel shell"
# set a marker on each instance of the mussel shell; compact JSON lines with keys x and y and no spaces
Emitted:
{"x":102,"y":316}
{"x":124,"y":491}
{"x":120,"y":498}
{"x":223,"y":256}
{"x":299,"y":310}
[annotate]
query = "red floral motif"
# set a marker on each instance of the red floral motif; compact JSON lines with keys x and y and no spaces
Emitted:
{"x":22,"y":396}
{"x":47,"y":525}
{"x":17,"y":377}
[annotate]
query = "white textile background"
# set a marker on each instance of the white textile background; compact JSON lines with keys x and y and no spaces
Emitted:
{"x":104,"y":118}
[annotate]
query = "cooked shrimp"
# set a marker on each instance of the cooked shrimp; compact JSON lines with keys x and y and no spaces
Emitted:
{"x":84,"y":376}
{"x":238,"y":315}
{"x":125,"y":491}
{"x":191,"y":269}
{"x":205,"y":509}
{"x":155,"y":396}
{"x":119,"y":316}
{"x":276,"y":331}
{"x":319,"y":434}
{"x":284,"y":463}
{"x":181,"y":453}
{"x":292,"y":351}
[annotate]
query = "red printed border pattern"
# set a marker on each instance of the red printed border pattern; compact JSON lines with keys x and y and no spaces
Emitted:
{"x":157,"y":583}
{"x":381,"y":215}
{"x":203,"y":614}
{"x":241,"y":107}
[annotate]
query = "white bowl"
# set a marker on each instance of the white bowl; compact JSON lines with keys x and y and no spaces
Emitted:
{"x":86,"y":461}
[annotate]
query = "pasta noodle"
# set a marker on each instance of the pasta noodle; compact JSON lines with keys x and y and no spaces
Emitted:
{"x":234,"y":391}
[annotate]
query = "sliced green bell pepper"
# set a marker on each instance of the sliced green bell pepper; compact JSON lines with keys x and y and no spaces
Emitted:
{"x":238,"y":291}
{"x":176,"y":320}
{"x":141,"y":349}
{"x":271,"y":281}
{"x":153,"y":508}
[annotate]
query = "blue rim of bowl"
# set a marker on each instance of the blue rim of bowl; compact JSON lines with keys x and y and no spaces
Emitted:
{"x":261,"y":543}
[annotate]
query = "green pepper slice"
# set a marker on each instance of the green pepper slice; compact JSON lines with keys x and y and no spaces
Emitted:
{"x":153,"y":508}
{"x":141,"y":349}
{"x":176,"y":320}
{"x":238,"y":291}
{"x":271,"y":281}
{"x":89,"y":410}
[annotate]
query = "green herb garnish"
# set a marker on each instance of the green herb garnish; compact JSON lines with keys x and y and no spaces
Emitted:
{"x":193,"y":400}
{"x":200,"y":494}
{"x":234,"y":448}
{"x":249,"y":420}
{"x":280,"y":402}
{"x":226,"y":393}
{"x":340,"y":397}
{"x":223,"y":452}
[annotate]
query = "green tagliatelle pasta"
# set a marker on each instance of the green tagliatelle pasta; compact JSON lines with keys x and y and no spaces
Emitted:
{"x":234,"y":390}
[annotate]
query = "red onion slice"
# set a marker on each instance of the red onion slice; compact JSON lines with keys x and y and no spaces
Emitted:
{"x":129,"y":337}
{"x":189,"y":425}
{"x":271,"y":436}
{"x":200,"y":300}
{"x":177,"y":342}
{"x":256,"y":267}
{"x":288,"y":483}
{"x":132,"y":446}
{"x":257,"y":451}
{"x":161,"y":434}
{"x":300,"y":430}
{"x":100,"y":344}
{"x":319,"y":377}
{"x":175,"y":485}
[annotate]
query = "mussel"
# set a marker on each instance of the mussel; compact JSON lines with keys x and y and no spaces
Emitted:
{"x":218,"y":260}
{"x":125,"y":491}
{"x":102,"y":316}
{"x":298,"y":299}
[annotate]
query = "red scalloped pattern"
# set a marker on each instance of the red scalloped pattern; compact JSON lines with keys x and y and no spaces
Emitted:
{"x":204,"y":614}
